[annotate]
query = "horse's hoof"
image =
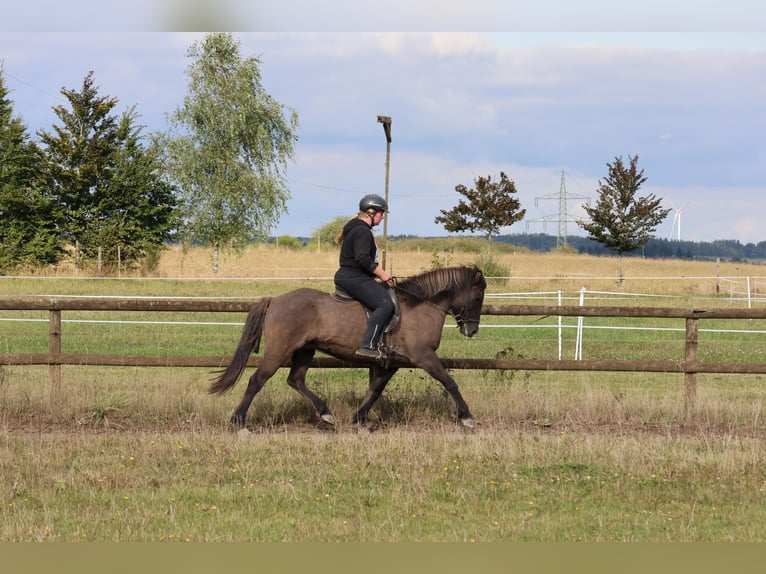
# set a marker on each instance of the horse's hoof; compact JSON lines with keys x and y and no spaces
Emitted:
{"x":468,"y":423}
{"x":243,"y":433}
{"x":328,"y":418}
{"x":373,"y":427}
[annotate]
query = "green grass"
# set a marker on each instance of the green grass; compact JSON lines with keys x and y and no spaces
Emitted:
{"x":146,"y":454}
{"x":393,"y":486}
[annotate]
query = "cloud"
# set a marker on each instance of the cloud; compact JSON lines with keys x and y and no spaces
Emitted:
{"x":463,"y":105}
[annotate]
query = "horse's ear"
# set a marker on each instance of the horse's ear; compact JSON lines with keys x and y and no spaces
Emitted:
{"x":478,"y":277}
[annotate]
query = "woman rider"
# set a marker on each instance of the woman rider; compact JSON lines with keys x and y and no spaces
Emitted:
{"x":359,"y":271}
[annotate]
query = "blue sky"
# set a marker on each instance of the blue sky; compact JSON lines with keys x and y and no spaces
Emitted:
{"x":464,"y":104}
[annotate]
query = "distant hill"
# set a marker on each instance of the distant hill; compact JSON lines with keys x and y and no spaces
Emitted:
{"x":724,"y":249}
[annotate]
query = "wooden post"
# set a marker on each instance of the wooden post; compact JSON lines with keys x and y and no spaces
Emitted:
{"x":717,"y":275}
{"x":386,"y":121}
{"x":54,"y":343}
{"x":692,"y":344}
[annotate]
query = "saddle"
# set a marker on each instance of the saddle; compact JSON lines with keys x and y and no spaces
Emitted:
{"x":342,"y":296}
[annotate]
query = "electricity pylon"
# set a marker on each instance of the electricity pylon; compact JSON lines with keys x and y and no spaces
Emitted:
{"x":563,"y":215}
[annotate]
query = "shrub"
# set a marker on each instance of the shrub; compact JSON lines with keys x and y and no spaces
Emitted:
{"x":491,"y":268}
{"x":289,"y":242}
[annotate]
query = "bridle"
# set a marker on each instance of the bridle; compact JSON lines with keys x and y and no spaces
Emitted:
{"x":460,"y":319}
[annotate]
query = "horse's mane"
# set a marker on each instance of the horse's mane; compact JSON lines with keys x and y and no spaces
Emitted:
{"x":428,"y":285}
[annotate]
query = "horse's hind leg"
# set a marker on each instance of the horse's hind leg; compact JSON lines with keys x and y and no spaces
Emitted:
{"x":379,"y":378}
{"x":262,"y":374}
{"x":297,"y":380}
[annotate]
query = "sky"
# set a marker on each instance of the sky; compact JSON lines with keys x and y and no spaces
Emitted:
{"x":474,"y":96}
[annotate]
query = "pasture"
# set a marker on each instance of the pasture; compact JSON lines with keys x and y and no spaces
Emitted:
{"x":146,"y":454}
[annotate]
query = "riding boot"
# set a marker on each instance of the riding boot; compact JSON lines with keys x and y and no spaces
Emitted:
{"x":371,"y":344}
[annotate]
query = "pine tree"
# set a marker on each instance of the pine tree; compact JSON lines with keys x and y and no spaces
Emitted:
{"x":28,"y":235}
{"x":137,"y":211}
{"x":620,"y":221}
{"x":110,"y":197}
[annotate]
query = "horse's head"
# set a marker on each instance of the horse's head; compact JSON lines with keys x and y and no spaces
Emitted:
{"x":466,"y":307}
{"x":457,"y":291}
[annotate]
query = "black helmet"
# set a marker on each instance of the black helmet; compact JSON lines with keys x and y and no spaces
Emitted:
{"x":373,"y":201}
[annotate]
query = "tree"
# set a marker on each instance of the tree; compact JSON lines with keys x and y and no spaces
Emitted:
{"x":327,"y":234}
{"x":27,"y":233}
{"x":620,"y":221}
{"x":489,"y":207}
{"x":227,"y":148}
{"x":140,"y":215}
{"x":107,"y":188}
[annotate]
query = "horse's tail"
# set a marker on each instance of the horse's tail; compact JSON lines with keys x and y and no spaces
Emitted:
{"x":249,"y":342}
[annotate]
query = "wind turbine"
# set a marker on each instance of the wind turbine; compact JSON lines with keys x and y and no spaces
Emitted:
{"x":676,"y":227}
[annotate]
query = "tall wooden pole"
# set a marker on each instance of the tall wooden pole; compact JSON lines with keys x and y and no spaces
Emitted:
{"x":386,"y":121}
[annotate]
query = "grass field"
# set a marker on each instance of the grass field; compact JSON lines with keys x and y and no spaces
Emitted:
{"x":142,"y":454}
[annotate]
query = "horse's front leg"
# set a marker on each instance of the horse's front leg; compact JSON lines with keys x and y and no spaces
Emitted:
{"x":379,"y":378}
{"x":433,"y":366}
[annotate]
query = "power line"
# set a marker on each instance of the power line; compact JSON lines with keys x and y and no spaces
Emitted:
{"x":32,"y":86}
{"x":324,"y":186}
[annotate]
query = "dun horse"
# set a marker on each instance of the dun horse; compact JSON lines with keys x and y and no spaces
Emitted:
{"x":298,"y":323}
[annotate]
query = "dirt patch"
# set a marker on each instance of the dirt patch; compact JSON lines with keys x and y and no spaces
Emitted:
{"x":21,"y":425}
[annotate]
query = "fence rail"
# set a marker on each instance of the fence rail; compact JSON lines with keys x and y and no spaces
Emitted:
{"x":689,"y":366}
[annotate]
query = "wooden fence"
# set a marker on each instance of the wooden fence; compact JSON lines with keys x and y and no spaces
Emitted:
{"x":689,"y":366}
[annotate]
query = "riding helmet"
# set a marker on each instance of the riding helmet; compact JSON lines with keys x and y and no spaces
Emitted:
{"x":373,"y":201}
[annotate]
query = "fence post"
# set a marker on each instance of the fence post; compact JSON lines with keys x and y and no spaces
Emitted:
{"x":560,"y":328}
{"x":54,"y":344}
{"x":717,"y":275}
{"x":578,"y":341}
{"x":690,"y":355}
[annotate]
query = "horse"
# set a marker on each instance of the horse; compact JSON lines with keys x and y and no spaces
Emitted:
{"x":298,"y":323}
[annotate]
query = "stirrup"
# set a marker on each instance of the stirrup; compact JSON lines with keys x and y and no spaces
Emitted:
{"x":379,"y":353}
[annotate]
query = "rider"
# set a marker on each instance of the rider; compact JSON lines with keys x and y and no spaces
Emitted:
{"x":359,"y":272}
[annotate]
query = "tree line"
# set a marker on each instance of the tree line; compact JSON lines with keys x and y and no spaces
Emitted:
{"x":95,"y":187}
{"x":656,"y":248}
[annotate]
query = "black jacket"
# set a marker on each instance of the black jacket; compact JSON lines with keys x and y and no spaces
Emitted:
{"x":358,"y":250}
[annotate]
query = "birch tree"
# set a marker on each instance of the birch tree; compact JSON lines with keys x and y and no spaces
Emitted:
{"x":228,"y":147}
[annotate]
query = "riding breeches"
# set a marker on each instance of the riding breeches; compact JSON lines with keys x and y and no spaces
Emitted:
{"x":373,"y":295}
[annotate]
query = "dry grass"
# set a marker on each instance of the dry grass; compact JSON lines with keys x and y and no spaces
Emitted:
{"x":129,"y":454}
{"x":263,"y":260}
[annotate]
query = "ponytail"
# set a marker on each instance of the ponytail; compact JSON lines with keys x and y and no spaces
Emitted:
{"x":369,"y":213}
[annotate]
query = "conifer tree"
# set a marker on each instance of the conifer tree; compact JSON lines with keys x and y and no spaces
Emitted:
{"x":108,"y":188}
{"x":621,"y":221}
{"x":28,"y":233}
